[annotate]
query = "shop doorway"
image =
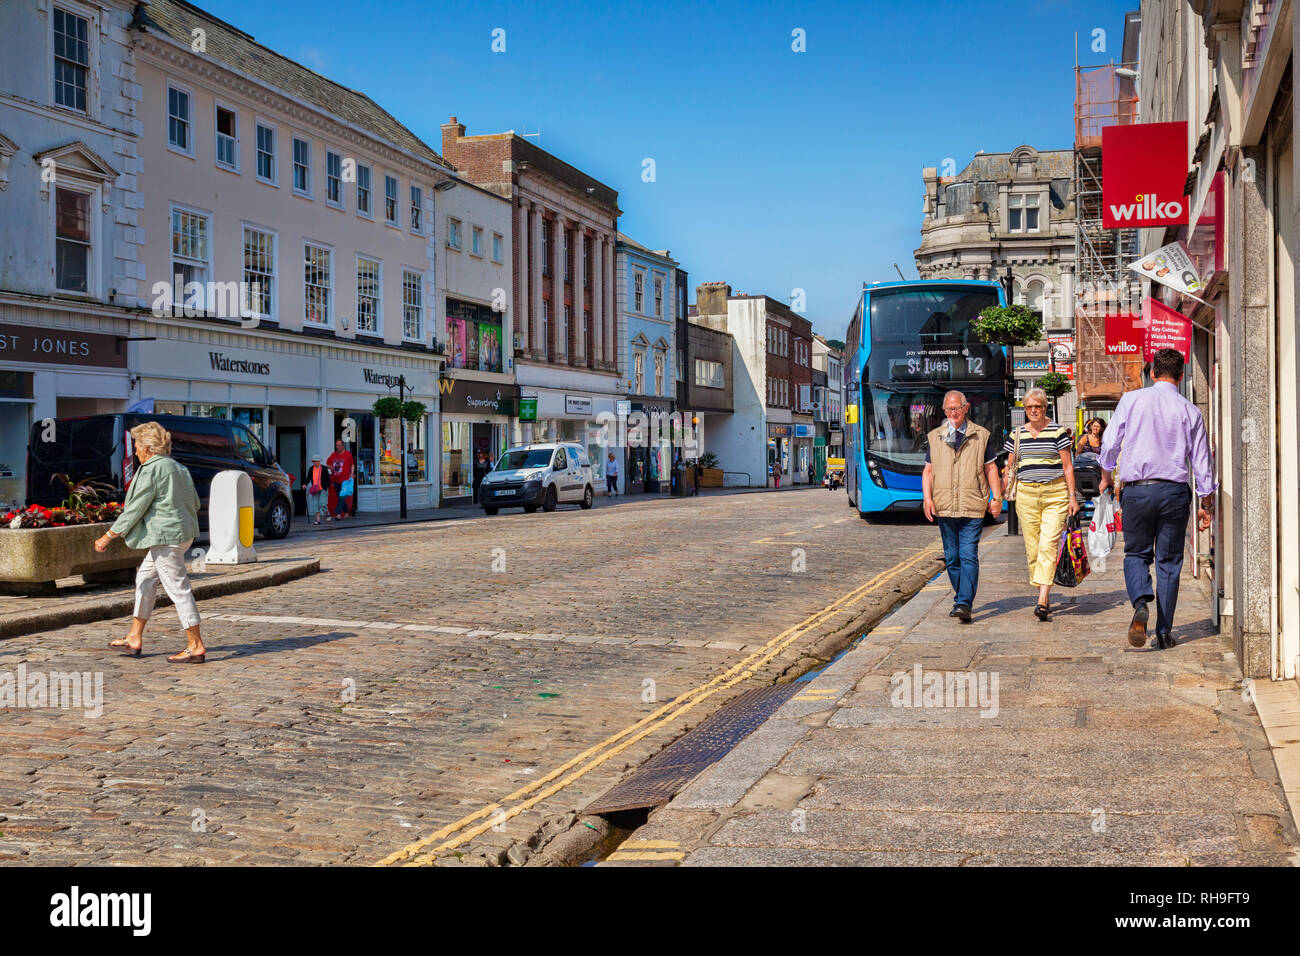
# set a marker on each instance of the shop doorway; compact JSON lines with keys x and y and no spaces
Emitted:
{"x":291,"y":453}
{"x":483,"y":439}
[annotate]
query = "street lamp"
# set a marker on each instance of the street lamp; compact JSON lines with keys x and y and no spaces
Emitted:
{"x":1008,"y":282}
{"x":401,"y":424}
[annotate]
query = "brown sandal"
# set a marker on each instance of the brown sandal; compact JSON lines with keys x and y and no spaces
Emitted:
{"x":185,"y":657}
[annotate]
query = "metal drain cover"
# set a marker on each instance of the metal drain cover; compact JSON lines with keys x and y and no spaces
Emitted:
{"x":668,"y":772}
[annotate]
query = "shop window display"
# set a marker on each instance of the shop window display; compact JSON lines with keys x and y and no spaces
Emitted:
{"x":457,"y":460}
{"x":474,"y":332}
{"x":390,"y":452}
{"x":362,"y":445}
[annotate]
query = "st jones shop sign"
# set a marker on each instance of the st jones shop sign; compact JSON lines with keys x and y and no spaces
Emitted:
{"x":29,"y":343}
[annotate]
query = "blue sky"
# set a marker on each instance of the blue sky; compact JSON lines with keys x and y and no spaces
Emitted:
{"x":774,"y":170}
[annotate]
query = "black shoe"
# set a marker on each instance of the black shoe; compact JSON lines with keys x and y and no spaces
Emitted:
{"x":1164,"y":641}
{"x":1137,"y":630}
{"x":1041,"y":612}
{"x":962,"y":613}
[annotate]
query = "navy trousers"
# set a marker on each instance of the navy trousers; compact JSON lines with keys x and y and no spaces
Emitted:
{"x":1155,"y":526}
{"x":961,"y":555}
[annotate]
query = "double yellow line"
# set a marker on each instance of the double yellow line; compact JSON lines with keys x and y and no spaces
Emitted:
{"x":467,"y":828}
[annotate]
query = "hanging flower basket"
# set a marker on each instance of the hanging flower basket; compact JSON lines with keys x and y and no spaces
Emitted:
{"x":1012,"y":325}
{"x":392,"y":407}
{"x":1055,"y":384}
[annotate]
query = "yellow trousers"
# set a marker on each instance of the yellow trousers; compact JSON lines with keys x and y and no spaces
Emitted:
{"x":1042,"y":509}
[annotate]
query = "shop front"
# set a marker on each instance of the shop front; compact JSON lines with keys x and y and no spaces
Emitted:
{"x":300,"y":398}
{"x":802,"y":452}
{"x":476,"y":427}
{"x":52,"y":373}
{"x":780,"y":443}
{"x":563,"y":415}
{"x":648,"y":449}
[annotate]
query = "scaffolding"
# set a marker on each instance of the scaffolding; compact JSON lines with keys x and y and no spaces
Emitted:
{"x":1104,"y":96}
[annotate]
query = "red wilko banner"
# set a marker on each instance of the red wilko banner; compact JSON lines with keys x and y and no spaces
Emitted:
{"x":1124,"y":335}
{"x":1166,"y":328}
{"x":1145,"y":171}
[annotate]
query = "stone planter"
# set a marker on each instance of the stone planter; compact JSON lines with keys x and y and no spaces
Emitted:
{"x":711,"y":478}
{"x":32,"y":559}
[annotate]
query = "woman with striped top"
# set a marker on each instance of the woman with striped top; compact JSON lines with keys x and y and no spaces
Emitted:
{"x":1044,"y":474}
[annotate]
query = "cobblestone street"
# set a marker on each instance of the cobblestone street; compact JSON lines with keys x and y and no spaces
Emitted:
{"x":426,"y":672}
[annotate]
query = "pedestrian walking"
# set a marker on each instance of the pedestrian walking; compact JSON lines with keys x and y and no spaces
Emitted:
{"x":343,"y":470}
{"x":1091,"y":439}
{"x":776,"y":471}
{"x":481,"y":468}
{"x":1159,"y":433}
{"x":1043,"y":473}
{"x":160,"y":514}
{"x":611,"y":476}
{"x":318,"y":484}
{"x":961,"y":470}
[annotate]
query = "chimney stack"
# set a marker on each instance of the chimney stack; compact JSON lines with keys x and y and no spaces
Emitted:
{"x":451,"y":131}
{"x":711,"y":298}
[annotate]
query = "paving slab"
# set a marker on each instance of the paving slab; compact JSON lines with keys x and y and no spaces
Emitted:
{"x":1083,"y":751}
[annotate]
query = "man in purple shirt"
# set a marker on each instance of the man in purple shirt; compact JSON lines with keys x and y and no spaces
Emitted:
{"x":1159,"y":433}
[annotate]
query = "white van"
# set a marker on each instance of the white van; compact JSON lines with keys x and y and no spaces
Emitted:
{"x":540,"y":475}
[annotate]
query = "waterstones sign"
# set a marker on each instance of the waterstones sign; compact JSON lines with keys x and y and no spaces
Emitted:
{"x":224,"y":363}
{"x":380,"y":378}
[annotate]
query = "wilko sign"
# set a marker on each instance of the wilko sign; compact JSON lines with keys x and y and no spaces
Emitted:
{"x":1123,"y":335}
{"x":1166,"y":328}
{"x":1145,"y":171}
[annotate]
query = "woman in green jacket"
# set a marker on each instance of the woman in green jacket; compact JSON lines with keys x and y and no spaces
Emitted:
{"x":161,"y":514}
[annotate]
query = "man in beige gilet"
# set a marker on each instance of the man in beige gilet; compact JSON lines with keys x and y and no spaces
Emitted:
{"x":960,"y":469}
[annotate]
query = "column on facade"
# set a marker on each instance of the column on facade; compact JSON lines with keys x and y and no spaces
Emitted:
{"x":523,"y":294}
{"x":558,"y":235}
{"x":1067,"y":295}
{"x":597,"y":301}
{"x":611,"y":320}
{"x":537,"y":340}
{"x":579,"y":296}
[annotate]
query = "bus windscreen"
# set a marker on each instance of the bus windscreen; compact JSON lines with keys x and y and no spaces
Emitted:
{"x":895,"y":420}
{"x":925,"y":335}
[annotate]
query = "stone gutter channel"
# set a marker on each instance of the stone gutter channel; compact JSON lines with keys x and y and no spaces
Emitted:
{"x":574,"y":838}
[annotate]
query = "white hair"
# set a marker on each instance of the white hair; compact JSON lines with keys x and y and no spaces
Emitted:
{"x":1038,"y":393}
{"x":950,"y":393}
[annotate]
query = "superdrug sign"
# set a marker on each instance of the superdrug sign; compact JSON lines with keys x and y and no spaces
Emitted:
{"x":478,"y":398}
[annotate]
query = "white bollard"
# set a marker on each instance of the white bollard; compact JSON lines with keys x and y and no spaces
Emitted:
{"x":230,"y":519}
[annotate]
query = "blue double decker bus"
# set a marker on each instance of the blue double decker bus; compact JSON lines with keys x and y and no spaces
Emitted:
{"x":908,"y":344}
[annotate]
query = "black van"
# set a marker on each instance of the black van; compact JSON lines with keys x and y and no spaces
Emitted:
{"x":95,"y":447}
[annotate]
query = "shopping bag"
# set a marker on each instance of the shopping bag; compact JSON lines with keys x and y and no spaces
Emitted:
{"x":345,"y":491}
{"x":1103,"y":528}
{"x":1072,"y":558}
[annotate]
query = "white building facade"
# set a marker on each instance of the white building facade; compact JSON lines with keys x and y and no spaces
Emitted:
{"x":69,"y":218}
{"x":290,"y":252}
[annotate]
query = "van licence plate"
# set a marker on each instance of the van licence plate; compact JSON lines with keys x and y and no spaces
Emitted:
{"x":504,"y":491}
